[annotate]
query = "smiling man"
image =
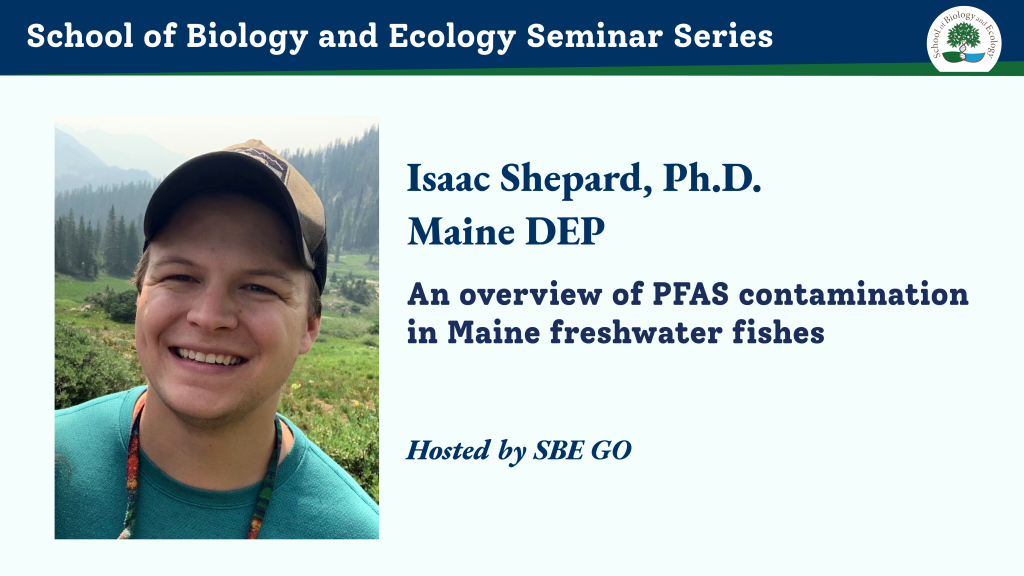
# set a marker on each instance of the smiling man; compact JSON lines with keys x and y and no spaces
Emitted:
{"x":229,"y":296}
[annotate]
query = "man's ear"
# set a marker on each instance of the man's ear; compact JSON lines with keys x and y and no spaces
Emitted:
{"x":312,"y":331}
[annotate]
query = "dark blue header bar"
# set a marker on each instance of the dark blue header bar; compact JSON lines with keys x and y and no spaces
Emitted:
{"x":303,"y":36}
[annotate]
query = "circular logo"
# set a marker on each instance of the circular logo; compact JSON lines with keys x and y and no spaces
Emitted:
{"x":964,"y":39}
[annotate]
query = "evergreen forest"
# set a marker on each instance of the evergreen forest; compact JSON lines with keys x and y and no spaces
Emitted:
{"x":101,"y":228}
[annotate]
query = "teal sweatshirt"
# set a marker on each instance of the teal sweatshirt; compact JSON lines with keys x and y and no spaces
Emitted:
{"x":313,"y":496}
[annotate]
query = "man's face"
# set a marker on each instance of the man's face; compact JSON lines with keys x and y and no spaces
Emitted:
{"x":222,"y":283}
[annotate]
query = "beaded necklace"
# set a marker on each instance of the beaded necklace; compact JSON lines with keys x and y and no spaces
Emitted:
{"x":262,"y":502}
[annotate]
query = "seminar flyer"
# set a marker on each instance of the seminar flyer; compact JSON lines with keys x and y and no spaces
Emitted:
{"x":618,"y":287}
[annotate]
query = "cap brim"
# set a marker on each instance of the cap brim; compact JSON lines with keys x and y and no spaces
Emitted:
{"x":223,"y":171}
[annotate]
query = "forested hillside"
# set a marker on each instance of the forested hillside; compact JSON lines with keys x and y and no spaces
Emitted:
{"x":344,"y":175}
{"x":93,"y":204}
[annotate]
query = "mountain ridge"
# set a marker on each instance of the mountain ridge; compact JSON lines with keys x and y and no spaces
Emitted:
{"x":76,"y":166}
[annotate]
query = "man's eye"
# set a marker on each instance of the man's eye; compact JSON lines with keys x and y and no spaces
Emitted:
{"x":259,"y":289}
{"x":179,"y":278}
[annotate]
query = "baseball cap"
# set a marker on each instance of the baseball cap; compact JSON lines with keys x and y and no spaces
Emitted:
{"x":250,"y":168}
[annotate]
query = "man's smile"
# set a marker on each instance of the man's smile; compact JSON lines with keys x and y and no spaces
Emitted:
{"x":208,"y":357}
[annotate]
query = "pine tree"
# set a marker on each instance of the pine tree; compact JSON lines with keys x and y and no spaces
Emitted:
{"x":97,"y":240}
{"x":82,"y":247}
{"x":132,"y":248}
{"x":123,"y":267}
{"x":90,"y":269}
{"x":110,"y":246}
{"x":60,"y":253}
{"x":67,"y":242}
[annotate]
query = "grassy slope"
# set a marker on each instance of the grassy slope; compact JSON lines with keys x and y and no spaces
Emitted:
{"x":354,"y":263}
{"x":332,"y":393}
{"x":68,"y":288}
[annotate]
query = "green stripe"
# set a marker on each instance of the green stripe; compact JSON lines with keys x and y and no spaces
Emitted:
{"x":909,"y":69}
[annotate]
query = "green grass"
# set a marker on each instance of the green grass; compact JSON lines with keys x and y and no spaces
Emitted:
{"x":68,"y":288}
{"x":112,"y":333}
{"x":354,"y":263}
{"x":332,"y":394}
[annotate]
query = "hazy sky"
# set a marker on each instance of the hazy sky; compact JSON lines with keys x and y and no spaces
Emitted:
{"x":193,"y":135}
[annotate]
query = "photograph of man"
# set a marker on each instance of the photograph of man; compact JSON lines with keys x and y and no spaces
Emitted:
{"x":229,"y":287}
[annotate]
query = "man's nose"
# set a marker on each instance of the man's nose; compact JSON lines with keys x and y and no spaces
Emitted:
{"x":214,"y":309}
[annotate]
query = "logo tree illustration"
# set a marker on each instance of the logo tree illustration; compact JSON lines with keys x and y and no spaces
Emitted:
{"x":963,"y":35}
